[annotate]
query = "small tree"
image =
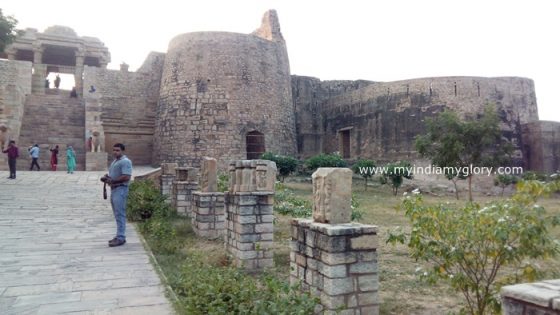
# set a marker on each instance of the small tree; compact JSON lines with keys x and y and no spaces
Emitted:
{"x":504,"y":181}
{"x":8,"y":30}
{"x":470,"y":246}
{"x":450,"y":142}
{"x":394,"y":174}
{"x":365,"y":168}
{"x":286,"y":165}
{"x":454,"y":176}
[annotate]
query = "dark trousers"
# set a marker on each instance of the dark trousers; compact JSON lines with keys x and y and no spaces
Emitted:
{"x":33,"y":163}
{"x":12,"y":165}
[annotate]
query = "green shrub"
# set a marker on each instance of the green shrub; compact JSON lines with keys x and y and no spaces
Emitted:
{"x":324,"y":160}
{"x":469,"y":246}
{"x":504,"y":181}
{"x":530,"y":175}
{"x":147,"y":205}
{"x":285,"y":164}
{"x":204,"y":289}
{"x":287,"y":203}
{"x":146,"y":201}
{"x":223,"y":182}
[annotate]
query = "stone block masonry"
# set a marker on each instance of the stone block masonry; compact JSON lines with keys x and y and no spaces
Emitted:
{"x":338,"y":263}
{"x":184,"y":185}
{"x":208,"y":214}
{"x":332,"y":258}
{"x":249,"y":214}
{"x":540,"y":298}
{"x":167,"y":178}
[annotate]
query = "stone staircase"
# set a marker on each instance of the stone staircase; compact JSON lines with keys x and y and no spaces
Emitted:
{"x":50,"y":119}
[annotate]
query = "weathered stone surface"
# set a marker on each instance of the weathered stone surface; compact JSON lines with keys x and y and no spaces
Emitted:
{"x":539,"y":293}
{"x":332,"y":195}
{"x":209,"y":175}
{"x":252,"y":176}
{"x":169,"y":168}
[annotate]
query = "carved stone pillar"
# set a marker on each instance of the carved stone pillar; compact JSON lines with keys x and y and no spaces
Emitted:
{"x":78,"y":81}
{"x":39,"y":71}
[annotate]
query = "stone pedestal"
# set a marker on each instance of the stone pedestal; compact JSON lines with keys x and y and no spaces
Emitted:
{"x":332,"y":258}
{"x":183,"y":186}
{"x":167,"y":178}
{"x":249,"y":234}
{"x":208,"y":214}
{"x":249,"y":216}
{"x":537,"y":298}
{"x":338,"y":263}
{"x":96,"y":161}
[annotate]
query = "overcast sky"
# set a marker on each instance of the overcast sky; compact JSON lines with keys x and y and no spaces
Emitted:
{"x":346,"y":40}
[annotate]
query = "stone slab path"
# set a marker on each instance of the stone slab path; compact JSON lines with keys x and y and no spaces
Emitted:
{"x":54,"y":257}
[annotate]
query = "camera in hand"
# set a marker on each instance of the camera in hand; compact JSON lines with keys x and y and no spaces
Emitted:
{"x":106,"y":179}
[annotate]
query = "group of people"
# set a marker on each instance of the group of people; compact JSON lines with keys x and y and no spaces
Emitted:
{"x":13,"y":153}
{"x":118,"y":178}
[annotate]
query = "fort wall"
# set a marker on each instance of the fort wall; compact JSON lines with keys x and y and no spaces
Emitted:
{"x":123,"y":107}
{"x":217,"y":88}
{"x":15,"y":84}
{"x":379,"y":121}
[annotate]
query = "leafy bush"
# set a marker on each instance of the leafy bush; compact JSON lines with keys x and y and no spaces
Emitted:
{"x":204,"y":289}
{"x":148,"y":205}
{"x":504,"y":181}
{"x":364,"y":168}
{"x":287,"y":203}
{"x":470,"y":246}
{"x":285,"y":164}
{"x":530,"y":175}
{"x":223,"y":182}
{"x":145,"y":201}
{"x":324,"y":160}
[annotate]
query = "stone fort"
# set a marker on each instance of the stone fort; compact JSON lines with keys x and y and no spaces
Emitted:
{"x":232,"y":96}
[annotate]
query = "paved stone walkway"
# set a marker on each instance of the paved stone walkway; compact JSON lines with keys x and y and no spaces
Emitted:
{"x":54,"y":257}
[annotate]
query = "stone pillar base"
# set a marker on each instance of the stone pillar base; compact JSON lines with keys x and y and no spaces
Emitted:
{"x":531,"y":298}
{"x":249,"y":234}
{"x":96,"y":161}
{"x":338,"y":263}
{"x":166,"y":185}
{"x":182,"y":196}
{"x":208,"y":214}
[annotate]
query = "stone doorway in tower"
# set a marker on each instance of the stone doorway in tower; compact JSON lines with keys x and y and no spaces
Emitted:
{"x":344,"y":142}
{"x":255,"y":145}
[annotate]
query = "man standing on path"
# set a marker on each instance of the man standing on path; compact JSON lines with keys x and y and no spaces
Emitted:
{"x":34,"y":153}
{"x":118,"y":178}
{"x":13,"y":154}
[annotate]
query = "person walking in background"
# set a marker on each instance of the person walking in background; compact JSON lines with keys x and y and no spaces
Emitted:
{"x":70,"y":159}
{"x":57,"y":81}
{"x":54,"y":158}
{"x":34,"y":153}
{"x":89,"y":144}
{"x":13,"y":154}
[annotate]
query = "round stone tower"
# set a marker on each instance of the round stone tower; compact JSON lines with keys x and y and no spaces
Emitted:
{"x":225,"y":95}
